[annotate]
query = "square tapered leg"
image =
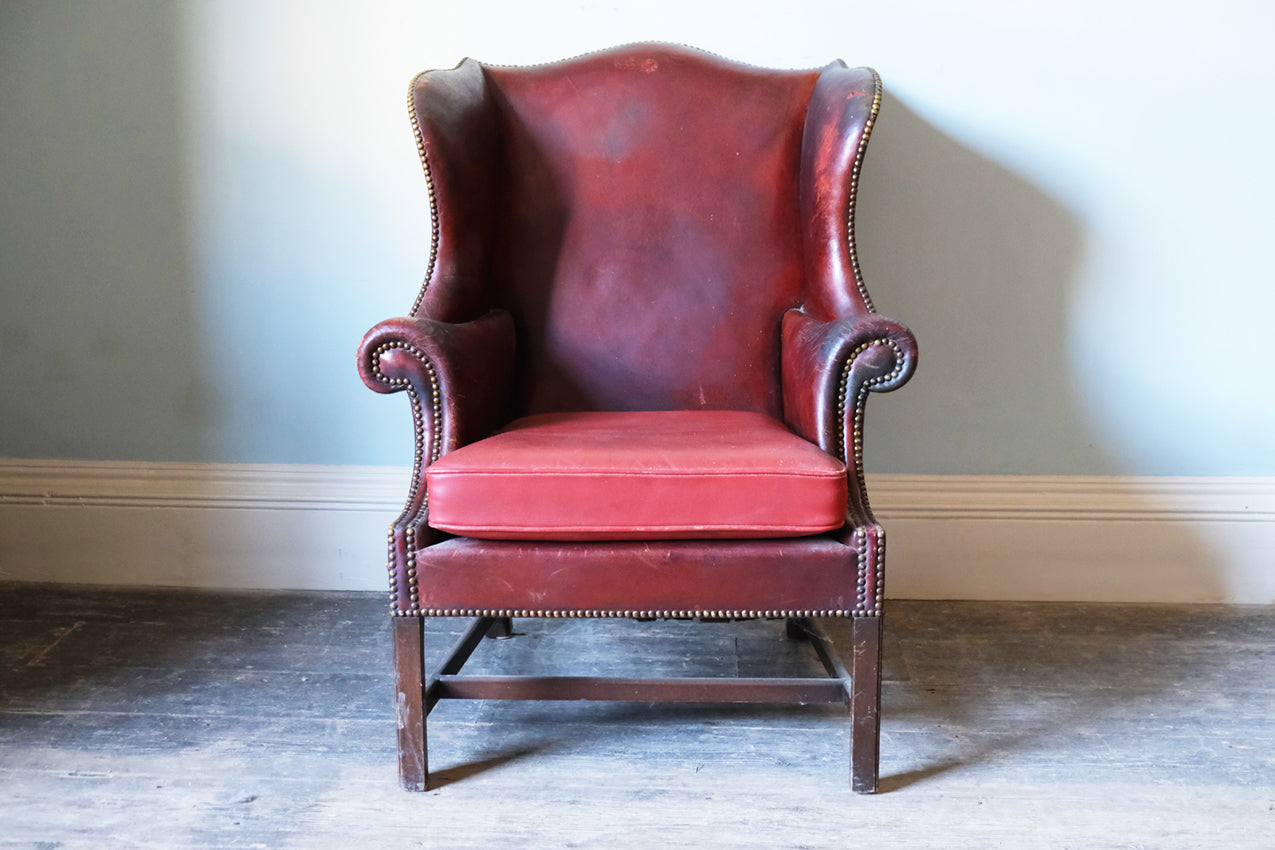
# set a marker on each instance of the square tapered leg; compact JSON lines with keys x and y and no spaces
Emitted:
{"x":865,"y":705}
{"x":409,"y":702}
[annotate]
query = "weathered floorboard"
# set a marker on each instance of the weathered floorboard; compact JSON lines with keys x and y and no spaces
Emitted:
{"x":182,"y":719}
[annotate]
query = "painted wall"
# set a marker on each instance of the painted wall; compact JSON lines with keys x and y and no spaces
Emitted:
{"x":205,"y":204}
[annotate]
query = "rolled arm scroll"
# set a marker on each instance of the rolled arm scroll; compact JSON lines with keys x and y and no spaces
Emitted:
{"x":458,"y":378}
{"x":462,"y":369}
{"x":829,"y":367}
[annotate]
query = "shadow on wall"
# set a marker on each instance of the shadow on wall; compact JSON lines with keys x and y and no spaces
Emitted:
{"x":982,"y":265}
{"x":979,"y":263}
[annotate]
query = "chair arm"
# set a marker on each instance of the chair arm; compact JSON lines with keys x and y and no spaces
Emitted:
{"x":459,"y":375}
{"x":829,"y":367}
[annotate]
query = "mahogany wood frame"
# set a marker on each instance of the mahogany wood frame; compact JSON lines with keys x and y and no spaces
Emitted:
{"x":418,"y":692}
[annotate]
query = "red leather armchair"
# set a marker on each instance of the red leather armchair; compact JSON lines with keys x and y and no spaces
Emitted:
{"x":637,"y":370}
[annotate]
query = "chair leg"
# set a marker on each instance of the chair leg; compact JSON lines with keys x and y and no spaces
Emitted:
{"x":500,"y":628}
{"x":409,"y":702}
{"x":865,"y":705}
{"x":794,"y":630}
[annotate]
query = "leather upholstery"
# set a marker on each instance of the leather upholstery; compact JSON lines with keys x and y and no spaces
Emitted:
{"x":815,"y":575}
{"x":644,"y":259}
{"x":828,"y":370}
{"x":644,"y":247}
{"x":646,"y":228}
{"x":647,"y":475}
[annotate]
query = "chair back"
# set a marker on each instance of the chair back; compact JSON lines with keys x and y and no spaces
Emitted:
{"x":646,"y":235}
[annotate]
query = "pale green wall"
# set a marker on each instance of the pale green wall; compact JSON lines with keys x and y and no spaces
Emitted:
{"x":204,"y":205}
{"x":97,"y":319}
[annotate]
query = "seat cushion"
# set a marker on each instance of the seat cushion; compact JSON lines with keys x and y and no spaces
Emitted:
{"x":638,"y":475}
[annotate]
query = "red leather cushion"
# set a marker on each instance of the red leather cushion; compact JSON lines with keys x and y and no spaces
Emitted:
{"x":638,"y":475}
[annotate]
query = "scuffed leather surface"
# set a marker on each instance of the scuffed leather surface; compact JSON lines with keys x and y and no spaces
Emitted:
{"x":837,"y":124}
{"x":792,"y":574}
{"x":666,"y":230}
{"x":815,"y":354}
{"x":638,"y":475}
{"x":472,"y":362}
{"x":823,"y":401}
{"x":459,"y":136}
{"x":642,"y":244}
{"x":466,"y":400}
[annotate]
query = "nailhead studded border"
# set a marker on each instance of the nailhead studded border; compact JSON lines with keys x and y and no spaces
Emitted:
{"x":878,"y":570}
{"x":861,"y":584}
{"x":435,"y":448}
{"x":623,"y":614}
{"x":854,"y":191}
{"x":418,"y":417}
{"x":862,"y":607}
{"x":419,"y":132}
{"x":900,"y":361}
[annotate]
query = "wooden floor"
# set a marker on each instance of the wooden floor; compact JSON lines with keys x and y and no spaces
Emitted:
{"x":170,"y":719}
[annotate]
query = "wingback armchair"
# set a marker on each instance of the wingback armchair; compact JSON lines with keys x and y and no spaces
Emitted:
{"x":637,"y":370}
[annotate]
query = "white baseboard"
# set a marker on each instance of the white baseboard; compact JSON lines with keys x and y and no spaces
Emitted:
{"x":198,"y":525}
{"x":1076,"y":538}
